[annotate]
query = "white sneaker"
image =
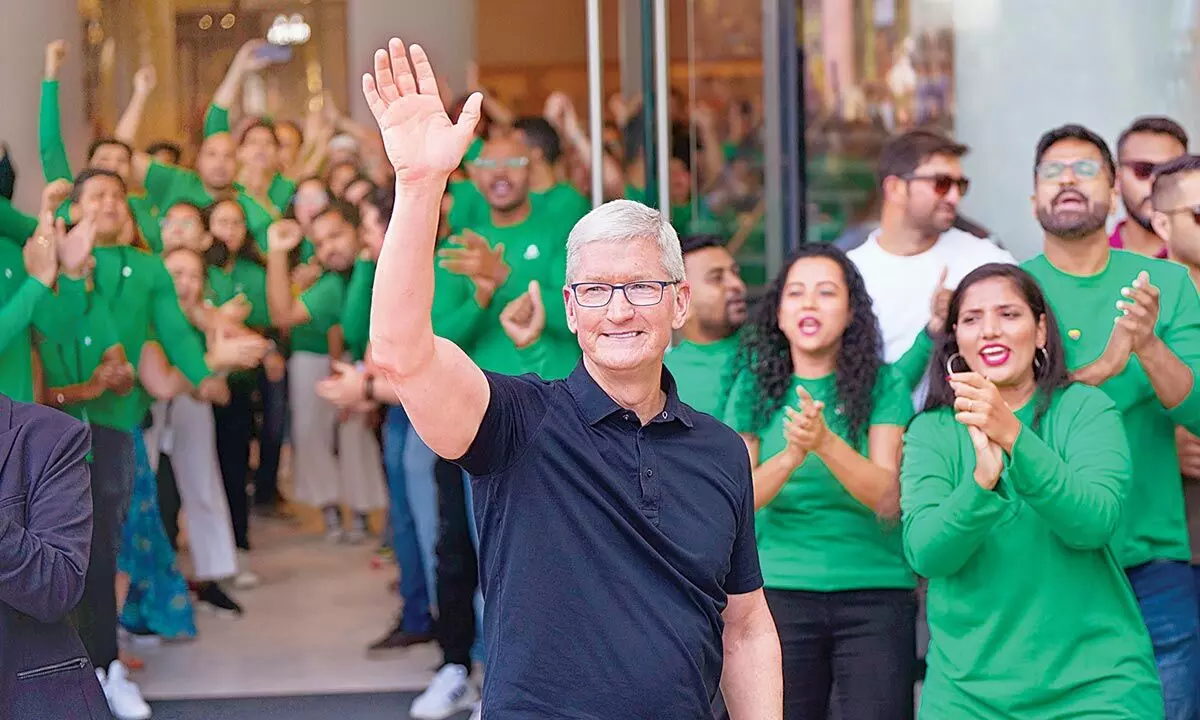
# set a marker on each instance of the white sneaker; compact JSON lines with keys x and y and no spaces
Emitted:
{"x":246,"y":579}
{"x":450,"y":692}
{"x":124,"y":698}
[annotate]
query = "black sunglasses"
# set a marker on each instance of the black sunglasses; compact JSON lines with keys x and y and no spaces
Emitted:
{"x":942,"y":183}
{"x":1142,"y":169}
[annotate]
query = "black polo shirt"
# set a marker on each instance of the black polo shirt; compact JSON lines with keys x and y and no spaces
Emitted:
{"x":607,"y":550}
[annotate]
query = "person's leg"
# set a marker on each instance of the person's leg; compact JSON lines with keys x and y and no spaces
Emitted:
{"x":112,"y":482}
{"x":413,"y":589}
{"x":270,"y":439}
{"x":205,"y":509}
{"x":874,"y":653}
{"x":478,"y":650}
{"x":804,"y":638}
{"x":234,"y":427}
{"x":360,"y":463}
{"x":314,"y":425}
{"x":169,"y":503}
{"x":457,"y":571}
{"x":423,"y":504}
{"x":1166,"y":595}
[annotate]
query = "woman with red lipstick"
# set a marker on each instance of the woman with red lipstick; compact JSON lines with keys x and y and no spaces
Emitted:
{"x":1012,"y":484}
{"x":823,"y":416}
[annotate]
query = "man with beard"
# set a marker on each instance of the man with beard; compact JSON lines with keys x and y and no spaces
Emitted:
{"x":701,"y":362}
{"x":1146,"y":144}
{"x":1131,"y":326}
{"x":912,"y":256}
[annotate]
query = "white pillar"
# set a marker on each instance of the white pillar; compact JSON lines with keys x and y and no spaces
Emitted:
{"x":24,"y":35}
{"x":445,"y":28}
{"x":1025,"y":66}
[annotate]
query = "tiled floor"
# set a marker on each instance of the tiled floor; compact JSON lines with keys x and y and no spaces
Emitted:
{"x":304,"y":631}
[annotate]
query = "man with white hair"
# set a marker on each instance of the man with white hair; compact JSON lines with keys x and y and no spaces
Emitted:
{"x":617,"y":548}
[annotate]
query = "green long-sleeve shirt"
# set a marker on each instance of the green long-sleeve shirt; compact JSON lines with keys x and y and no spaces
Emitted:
{"x":56,"y":166}
{"x":281,"y":190}
{"x":1154,"y":526}
{"x":356,"y":313}
{"x":72,"y":360}
{"x":1030,"y":614}
{"x":26,"y":303}
{"x":14,"y":224}
{"x":167,"y":185}
{"x":142,"y":298}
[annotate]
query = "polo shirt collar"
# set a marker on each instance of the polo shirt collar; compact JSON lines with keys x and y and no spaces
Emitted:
{"x":597,"y":405}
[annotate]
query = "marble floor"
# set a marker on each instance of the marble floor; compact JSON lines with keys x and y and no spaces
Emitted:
{"x":305,"y":629}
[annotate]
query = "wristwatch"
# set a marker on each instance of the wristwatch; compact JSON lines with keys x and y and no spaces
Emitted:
{"x":369,"y":387}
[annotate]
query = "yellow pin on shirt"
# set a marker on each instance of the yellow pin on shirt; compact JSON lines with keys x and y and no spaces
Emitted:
{"x":1074,"y":333}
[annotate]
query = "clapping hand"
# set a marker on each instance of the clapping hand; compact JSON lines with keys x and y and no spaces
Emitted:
{"x":345,"y":386}
{"x":524,"y":319}
{"x":977,"y":404}
{"x":75,"y":247}
{"x":422,"y":144}
{"x":41,"y":258}
{"x":989,"y":458}
{"x":805,"y":430}
{"x":939,"y":305}
{"x":284,"y":236}
{"x":1139,"y":310}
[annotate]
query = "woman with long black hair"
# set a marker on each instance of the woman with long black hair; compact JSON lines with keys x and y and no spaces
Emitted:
{"x":1012,"y":484}
{"x":823,"y":416}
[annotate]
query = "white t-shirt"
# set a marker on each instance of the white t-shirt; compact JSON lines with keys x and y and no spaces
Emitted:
{"x":901,"y":286}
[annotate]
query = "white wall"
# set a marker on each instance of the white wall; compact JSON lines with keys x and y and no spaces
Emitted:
{"x":445,"y":28}
{"x":24,"y":34}
{"x":1025,"y":66}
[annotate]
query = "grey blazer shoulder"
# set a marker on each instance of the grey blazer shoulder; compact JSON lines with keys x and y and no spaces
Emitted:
{"x":45,"y":541}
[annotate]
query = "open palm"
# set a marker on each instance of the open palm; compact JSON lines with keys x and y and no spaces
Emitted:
{"x":420,"y":140}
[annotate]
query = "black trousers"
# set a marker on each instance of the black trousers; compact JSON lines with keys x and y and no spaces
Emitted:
{"x":457,"y":567}
{"x":113,"y":468}
{"x":270,"y":440}
{"x":235,"y":429}
{"x":169,"y":502}
{"x":859,"y":645}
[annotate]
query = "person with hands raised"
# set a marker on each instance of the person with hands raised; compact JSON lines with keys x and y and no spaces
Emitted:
{"x":671,"y":555}
{"x":524,"y":320}
{"x":1131,"y":327}
{"x":822,"y":417}
{"x":1013,"y":485}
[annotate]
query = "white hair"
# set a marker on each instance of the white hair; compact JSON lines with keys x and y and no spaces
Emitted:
{"x":624,"y":221}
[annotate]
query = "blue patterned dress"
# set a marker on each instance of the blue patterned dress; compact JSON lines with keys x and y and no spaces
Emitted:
{"x":158,"y":601}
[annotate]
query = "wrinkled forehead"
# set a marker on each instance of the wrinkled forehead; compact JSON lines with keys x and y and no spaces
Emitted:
{"x":619,"y":261}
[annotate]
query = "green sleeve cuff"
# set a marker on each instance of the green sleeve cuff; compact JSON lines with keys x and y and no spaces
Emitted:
{"x":533,"y":357}
{"x":915,"y":361}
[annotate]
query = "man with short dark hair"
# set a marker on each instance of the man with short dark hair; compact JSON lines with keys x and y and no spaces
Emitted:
{"x":913,"y":256}
{"x":165,"y":152}
{"x":545,"y":148}
{"x":1147,"y":143}
{"x":1115,"y":307}
{"x":702,"y":361}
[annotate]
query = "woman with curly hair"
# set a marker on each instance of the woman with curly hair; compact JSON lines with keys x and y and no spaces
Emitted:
{"x":1012,"y":486}
{"x":823,"y":416}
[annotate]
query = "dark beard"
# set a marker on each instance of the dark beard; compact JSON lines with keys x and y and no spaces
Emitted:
{"x":1075,"y":227}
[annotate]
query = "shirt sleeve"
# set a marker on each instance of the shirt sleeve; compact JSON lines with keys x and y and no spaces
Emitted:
{"x":16,"y":314}
{"x":324,"y":302}
{"x":356,"y":316}
{"x":173,"y":330}
{"x":55,"y":165}
{"x":892,"y":398}
{"x":914,"y":363}
{"x":946,"y":514}
{"x":1182,"y":336}
{"x":455,"y":314}
{"x":14,"y":224}
{"x":55,"y":313}
{"x":1080,"y":494}
{"x":745,"y":573}
{"x":160,"y":182}
{"x":534,"y":357}
{"x":216,"y":120}
{"x":516,"y":408}
{"x":739,"y":408}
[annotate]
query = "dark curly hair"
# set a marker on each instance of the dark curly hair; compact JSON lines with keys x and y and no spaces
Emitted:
{"x":1049,"y":368}
{"x":766,"y":354}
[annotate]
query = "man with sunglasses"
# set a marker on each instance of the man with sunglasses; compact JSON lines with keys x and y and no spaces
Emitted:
{"x":1142,"y":147}
{"x":1131,"y":326}
{"x":915,"y":255}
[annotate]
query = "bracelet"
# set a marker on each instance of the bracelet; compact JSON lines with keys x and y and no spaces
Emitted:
{"x":369,"y":387}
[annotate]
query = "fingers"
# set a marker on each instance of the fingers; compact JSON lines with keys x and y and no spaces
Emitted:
{"x":400,"y":68}
{"x":340,"y":368}
{"x":971,"y":379}
{"x":469,"y":117}
{"x":968,"y":391}
{"x":978,"y":437}
{"x":535,"y":296}
{"x":806,"y":398}
{"x":971,"y":419}
{"x":371,"y":93}
{"x":426,"y":81}
{"x":385,"y":82}
{"x":942,"y":275}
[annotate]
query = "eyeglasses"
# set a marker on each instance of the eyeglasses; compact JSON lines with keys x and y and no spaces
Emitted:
{"x":1142,"y":169}
{"x":643,"y":293}
{"x":1195,"y":211}
{"x":942,"y":183}
{"x":1083,"y":169}
{"x":182,"y":223}
{"x":510,"y":163}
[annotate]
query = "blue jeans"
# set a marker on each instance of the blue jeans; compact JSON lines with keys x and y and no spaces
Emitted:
{"x":1166,"y":594}
{"x":412,"y":515}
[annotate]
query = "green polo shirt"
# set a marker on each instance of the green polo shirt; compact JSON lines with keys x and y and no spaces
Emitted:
{"x":280,"y":193}
{"x":356,"y":314}
{"x":246,"y":278}
{"x":72,"y":361}
{"x":702,"y":373}
{"x":324,"y":301}
{"x":167,"y":185}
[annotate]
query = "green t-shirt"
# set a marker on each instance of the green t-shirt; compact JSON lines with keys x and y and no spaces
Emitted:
{"x":167,"y":185}
{"x":142,"y":298}
{"x":324,"y":301}
{"x":814,"y":535}
{"x":72,"y":361}
{"x":246,"y":278}
{"x":470,"y":207}
{"x":702,"y":373}
{"x":281,"y":190}
{"x":1153,"y":526}
{"x":1030,"y":614}
{"x":356,"y":314}
{"x":26,"y":303}
{"x":535,"y":249}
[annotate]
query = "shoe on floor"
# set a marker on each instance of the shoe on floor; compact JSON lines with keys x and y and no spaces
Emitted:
{"x":211,"y":595}
{"x":124,"y":698}
{"x":399,"y":639}
{"x":450,"y":692}
{"x":246,"y":579}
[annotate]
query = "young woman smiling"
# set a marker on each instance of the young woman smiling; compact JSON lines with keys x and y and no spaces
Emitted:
{"x":823,"y":416}
{"x":1013,"y":481}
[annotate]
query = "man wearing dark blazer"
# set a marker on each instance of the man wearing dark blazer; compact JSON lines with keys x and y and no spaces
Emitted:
{"x":45,"y":539}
